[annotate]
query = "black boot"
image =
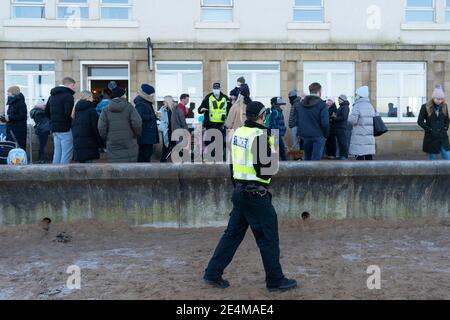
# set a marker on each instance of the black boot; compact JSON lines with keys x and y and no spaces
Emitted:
{"x":218,"y":283}
{"x":285,"y":285}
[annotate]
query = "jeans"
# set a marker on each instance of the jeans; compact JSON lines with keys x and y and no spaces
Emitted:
{"x":43,"y":139}
{"x":258,"y":213}
{"x":145,"y":153}
{"x":314,"y":148}
{"x":444,"y":153}
{"x":63,"y":152}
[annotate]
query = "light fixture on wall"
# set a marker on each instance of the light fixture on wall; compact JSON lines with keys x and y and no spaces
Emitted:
{"x":150,"y":54}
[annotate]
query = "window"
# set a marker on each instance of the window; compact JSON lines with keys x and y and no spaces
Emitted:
{"x":447,"y":11}
{"x":175,"y":78}
{"x":263,"y":79}
{"x":73,"y":9}
{"x":34,"y":78}
{"x":217,"y":10}
{"x":401,"y":90}
{"x":308,"y":10}
{"x":31,"y":9}
{"x":116,"y":9}
{"x":420,"y":11}
{"x":336,"y":78}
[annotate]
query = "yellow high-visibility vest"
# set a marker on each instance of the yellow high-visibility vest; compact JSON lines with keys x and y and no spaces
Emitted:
{"x":242,"y":156}
{"x":217,"y":109}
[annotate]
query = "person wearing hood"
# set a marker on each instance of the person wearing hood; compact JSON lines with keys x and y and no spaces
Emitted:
{"x":41,"y":128}
{"x":434,"y":119}
{"x":236,"y":117}
{"x":313,"y":122}
{"x":59,"y":110}
{"x":86,"y":139}
{"x":341,"y":126}
{"x":362,"y":142}
{"x":120,"y":124}
{"x":16,"y":117}
{"x":331,"y":144}
{"x":150,"y":135}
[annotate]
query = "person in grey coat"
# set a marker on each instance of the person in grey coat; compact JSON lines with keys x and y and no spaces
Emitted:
{"x":120,"y":124}
{"x":362,"y":144}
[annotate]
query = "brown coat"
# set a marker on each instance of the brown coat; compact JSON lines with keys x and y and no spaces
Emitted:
{"x":236,"y":117}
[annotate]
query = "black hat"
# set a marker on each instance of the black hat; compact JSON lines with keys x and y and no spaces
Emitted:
{"x":255,"y":108}
{"x":216,"y":85}
{"x":117,"y":91}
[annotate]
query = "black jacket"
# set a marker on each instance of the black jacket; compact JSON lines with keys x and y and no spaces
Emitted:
{"x":59,"y":108}
{"x":205,"y":104}
{"x":436,"y":130}
{"x":86,"y":139}
{"x":150,"y":134}
{"x":331,"y":110}
{"x":18,"y":114}
{"x":259,"y":163}
{"x":341,"y":120}
{"x":42,"y":125}
{"x":312,"y":117}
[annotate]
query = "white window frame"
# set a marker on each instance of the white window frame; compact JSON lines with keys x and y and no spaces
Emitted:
{"x":252,"y":82}
{"x":433,"y":9}
{"x":128,"y":5}
{"x":14,"y":4}
{"x":29,"y":74}
{"x":179,"y":73}
{"x":309,"y":8}
{"x":84,"y":65}
{"x":329,"y":73}
{"x":400,"y":118}
{"x":71,"y":5}
{"x":447,"y":11}
{"x":229,"y":7}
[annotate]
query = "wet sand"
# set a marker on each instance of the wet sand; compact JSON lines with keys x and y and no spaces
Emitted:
{"x":328,"y":258}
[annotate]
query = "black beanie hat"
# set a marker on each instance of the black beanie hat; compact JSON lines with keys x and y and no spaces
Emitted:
{"x":255,"y":108}
{"x":117,"y":92}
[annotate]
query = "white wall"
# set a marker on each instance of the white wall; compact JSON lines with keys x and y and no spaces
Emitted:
{"x":254,"y":20}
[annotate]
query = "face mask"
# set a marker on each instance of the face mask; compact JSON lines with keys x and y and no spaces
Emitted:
{"x":238,"y":85}
{"x":216,"y":92}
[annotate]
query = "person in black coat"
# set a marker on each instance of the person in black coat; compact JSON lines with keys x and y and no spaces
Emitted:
{"x":16,"y":117}
{"x":150,"y":134}
{"x":331,"y":144}
{"x":341,"y":126}
{"x":434,"y":119}
{"x":41,"y":128}
{"x":86,"y":139}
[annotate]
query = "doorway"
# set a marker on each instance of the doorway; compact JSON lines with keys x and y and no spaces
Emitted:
{"x":97,"y":86}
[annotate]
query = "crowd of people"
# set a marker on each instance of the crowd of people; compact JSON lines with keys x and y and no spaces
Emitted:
{"x":321,"y":129}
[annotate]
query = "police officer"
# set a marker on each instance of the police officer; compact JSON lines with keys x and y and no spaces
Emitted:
{"x":215,"y":107}
{"x":252,"y":204}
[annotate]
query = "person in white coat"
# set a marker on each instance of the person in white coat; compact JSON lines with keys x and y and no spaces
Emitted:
{"x":362,"y":143}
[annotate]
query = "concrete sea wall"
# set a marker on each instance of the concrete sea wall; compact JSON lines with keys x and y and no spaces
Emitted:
{"x":192,"y":195}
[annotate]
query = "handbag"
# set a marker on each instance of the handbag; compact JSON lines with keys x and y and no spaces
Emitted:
{"x":379,"y":128}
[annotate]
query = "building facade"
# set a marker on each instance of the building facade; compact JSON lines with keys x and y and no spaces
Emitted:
{"x":400,"y":49}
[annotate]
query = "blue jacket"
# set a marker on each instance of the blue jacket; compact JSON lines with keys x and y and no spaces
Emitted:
{"x":312,"y":117}
{"x":102,"y":105}
{"x":150,"y":134}
{"x":277,"y":120}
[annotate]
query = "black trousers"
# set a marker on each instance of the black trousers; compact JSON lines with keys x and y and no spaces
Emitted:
{"x":342,"y":140}
{"x":331,"y":145}
{"x":145,"y":152}
{"x":165,"y":152}
{"x":258,"y":213}
{"x":368,"y":157}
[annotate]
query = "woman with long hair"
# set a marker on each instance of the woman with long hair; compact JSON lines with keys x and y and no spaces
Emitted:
{"x":165,"y":127}
{"x":434,"y":119}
